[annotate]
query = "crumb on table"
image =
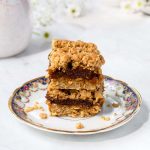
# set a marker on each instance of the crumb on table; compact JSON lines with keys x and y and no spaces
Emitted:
{"x":43,"y":115}
{"x":79,"y":126}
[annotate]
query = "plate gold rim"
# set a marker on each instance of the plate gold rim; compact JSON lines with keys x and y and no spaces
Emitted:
{"x":114,"y":126}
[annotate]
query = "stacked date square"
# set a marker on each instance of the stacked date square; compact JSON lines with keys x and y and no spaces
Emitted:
{"x":76,"y":82}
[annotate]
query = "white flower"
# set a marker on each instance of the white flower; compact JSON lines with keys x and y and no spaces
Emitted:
{"x":34,"y":2}
{"x":132,"y":5}
{"x":126,"y":5}
{"x":45,"y":19}
{"x":74,"y":10}
{"x":42,"y":15}
{"x":138,"y":4}
{"x":45,"y":33}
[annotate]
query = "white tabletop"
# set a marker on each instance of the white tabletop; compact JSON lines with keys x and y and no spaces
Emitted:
{"x":124,"y":40}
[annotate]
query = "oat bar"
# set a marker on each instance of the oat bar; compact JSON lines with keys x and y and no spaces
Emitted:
{"x":74,"y":60}
{"x":76,"y":83}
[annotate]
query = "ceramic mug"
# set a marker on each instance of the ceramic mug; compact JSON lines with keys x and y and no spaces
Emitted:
{"x":15,"y":26}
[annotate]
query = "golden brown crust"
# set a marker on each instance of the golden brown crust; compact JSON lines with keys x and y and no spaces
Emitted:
{"x":78,"y":84}
{"x":92,"y":96}
{"x":76,"y":81}
{"x":74,"y":111}
{"x":78,"y":53}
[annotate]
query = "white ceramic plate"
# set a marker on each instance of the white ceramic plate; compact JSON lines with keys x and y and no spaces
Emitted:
{"x":109,"y":118}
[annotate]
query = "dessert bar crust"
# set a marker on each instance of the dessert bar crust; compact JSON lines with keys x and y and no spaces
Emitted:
{"x":74,"y":111}
{"x":78,"y":84}
{"x":76,"y":54}
{"x":92,"y":96}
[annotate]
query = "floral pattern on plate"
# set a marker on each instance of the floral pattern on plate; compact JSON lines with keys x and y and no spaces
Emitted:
{"x":122,"y":103}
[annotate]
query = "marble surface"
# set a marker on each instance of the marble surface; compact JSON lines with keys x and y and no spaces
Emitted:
{"x":124,"y":40}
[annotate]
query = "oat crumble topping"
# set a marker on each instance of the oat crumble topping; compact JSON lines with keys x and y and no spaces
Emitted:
{"x":79,"y":53}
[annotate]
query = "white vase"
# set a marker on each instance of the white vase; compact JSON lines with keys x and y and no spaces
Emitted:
{"x":15,"y":26}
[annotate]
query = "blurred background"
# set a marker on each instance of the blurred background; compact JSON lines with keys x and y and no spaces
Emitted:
{"x":30,"y":26}
{"x":121,"y":30}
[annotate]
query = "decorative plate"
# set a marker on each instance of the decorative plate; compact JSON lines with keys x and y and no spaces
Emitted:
{"x":122,"y":103}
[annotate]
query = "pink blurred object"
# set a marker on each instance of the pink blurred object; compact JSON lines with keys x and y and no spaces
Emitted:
{"x":15,"y":26}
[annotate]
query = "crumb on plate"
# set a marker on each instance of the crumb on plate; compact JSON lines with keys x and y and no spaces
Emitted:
{"x":115,"y":105}
{"x":43,"y":115}
{"x":79,"y":126}
{"x":36,"y":106}
{"x":41,"y":108}
{"x":28,"y":109}
{"x":105,"y":118}
{"x":108,"y":105}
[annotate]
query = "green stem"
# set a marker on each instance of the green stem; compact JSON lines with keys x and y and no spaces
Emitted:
{"x":36,"y":33}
